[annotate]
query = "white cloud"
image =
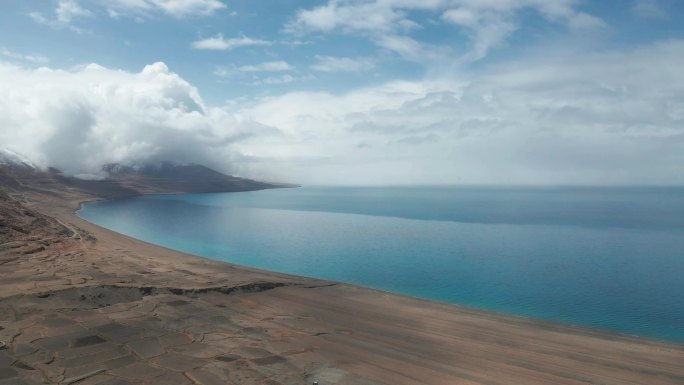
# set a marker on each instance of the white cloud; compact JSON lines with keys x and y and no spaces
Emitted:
{"x":219,"y":43}
{"x":253,"y":74}
{"x":613,"y":117}
{"x":342,"y":64}
{"x":411,"y":49}
{"x":366,"y":16}
{"x":602,"y":118}
{"x":81,"y":119}
{"x":384,"y":22}
{"x":388,"y":23}
{"x":489,"y":24}
{"x":652,"y":9}
{"x":176,"y":8}
{"x":256,"y":80}
{"x":295,"y":42}
{"x":224,"y":72}
{"x":67,"y":10}
{"x":65,"y":13}
{"x":271,"y":66}
{"x":38,"y":18}
{"x":283,"y":79}
{"x":35,"y":59}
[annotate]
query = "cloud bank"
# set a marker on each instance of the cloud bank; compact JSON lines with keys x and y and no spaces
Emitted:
{"x":81,"y":119}
{"x":614,"y":117}
{"x":602,"y":118}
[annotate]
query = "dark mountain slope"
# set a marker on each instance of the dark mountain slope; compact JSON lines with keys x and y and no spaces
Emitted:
{"x":123,"y":181}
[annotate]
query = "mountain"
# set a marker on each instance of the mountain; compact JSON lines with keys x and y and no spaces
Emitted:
{"x":11,"y":158}
{"x":168,"y":177}
{"x":125,"y":181}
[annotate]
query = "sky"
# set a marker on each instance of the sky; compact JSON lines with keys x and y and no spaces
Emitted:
{"x":351,"y":92}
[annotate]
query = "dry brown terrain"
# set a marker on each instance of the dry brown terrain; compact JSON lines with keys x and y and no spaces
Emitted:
{"x":83,"y":305}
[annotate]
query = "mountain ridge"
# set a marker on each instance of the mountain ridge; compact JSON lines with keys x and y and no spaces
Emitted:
{"x":125,"y":181}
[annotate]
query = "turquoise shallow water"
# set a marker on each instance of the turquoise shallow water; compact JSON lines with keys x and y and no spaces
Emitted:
{"x":608,"y":258}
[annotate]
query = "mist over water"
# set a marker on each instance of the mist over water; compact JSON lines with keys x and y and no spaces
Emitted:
{"x":609,"y":258}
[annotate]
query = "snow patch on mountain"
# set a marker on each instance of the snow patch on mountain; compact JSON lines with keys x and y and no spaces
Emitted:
{"x":12,"y":158}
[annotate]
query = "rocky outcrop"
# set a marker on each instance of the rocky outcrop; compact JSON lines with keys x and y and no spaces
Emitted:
{"x":20,"y":223}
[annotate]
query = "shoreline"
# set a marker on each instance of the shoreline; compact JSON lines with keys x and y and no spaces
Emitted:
{"x":464,"y":307}
{"x":248,"y":325}
{"x":550,"y":323}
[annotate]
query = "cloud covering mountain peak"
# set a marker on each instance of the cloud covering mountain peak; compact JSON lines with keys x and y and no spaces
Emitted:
{"x":554,"y":117}
{"x":80,"y":119}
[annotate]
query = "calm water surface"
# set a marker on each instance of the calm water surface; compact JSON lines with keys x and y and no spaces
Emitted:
{"x":606,"y":258}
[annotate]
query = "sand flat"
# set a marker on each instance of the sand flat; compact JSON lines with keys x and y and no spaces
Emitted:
{"x":82,"y":304}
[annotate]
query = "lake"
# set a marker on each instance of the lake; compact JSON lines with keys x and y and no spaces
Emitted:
{"x":606,"y":258}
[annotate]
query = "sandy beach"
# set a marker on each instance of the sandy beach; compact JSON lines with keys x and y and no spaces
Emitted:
{"x":80,"y":304}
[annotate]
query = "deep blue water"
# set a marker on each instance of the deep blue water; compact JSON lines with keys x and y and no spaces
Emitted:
{"x":608,"y":258}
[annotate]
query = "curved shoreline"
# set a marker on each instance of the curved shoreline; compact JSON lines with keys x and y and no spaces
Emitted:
{"x":239,"y":322}
{"x":100,"y":218}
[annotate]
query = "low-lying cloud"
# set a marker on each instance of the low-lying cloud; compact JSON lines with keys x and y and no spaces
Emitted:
{"x":82,"y":119}
{"x":596,"y":118}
